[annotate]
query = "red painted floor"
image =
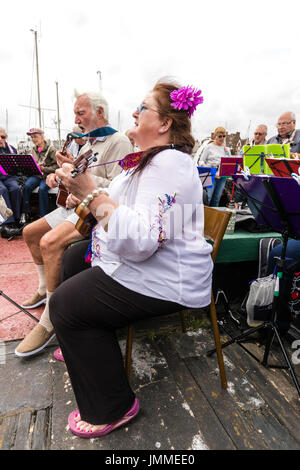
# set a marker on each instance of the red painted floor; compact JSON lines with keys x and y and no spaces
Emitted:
{"x":18,"y":280}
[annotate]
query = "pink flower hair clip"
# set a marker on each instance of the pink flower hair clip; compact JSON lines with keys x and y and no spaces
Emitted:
{"x":186,"y":98}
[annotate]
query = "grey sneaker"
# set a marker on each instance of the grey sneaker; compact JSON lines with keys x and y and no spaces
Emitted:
{"x":35,"y":341}
{"x":35,"y":301}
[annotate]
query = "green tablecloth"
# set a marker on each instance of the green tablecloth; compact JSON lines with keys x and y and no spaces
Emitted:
{"x":241,"y":246}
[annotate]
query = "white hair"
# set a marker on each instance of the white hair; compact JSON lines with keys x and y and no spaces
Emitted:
{"x":2,"y":129}
{"x":290,"y":113}
{"x":264,"y":127}
{"x":97,"y":101}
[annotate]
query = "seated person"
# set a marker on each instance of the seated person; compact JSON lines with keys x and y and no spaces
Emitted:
{"x":11,"y":192}
{"x":292,"y":254}
{"x":259,"y":138}
{"x":260,"y":134}
{"x":145,"y":261}
{"x":45,"y":156}
{"x":211,"y":157}
{"x":287,"y":132}
{"x":48,"y":237}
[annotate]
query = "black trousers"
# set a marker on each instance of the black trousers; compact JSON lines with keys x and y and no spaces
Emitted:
{"x":86,"y":310}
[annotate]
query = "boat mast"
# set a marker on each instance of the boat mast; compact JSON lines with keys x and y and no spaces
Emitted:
{"x":100,"y":80}
{"x":58,"y":116}
{"x":37,"y":78}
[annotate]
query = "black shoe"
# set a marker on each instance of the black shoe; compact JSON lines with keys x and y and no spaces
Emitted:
{"x":10,"y":232}
{"x":12,"y":225}
{"x":4,"y":227}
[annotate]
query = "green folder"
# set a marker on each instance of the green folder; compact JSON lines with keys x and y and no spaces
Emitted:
{"x":254,"y":158}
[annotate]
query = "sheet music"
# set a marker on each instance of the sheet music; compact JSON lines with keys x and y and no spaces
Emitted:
{"x":207,"y":176}
{"x":15,"y":164}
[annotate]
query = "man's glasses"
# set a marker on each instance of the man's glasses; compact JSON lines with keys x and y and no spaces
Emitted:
{"x":2,"y":136}
{"x":280,"y":124}
{"x":258,"y":133}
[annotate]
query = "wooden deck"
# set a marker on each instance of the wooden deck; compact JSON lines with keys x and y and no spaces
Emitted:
{"x":260,"y":409}
{"x":182,"y":404}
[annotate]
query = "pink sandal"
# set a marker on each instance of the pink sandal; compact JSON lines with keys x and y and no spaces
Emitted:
{"x":58,"y":355}
{"x":110,"y":427}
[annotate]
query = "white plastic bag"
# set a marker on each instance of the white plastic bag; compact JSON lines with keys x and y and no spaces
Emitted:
{"x":261,"y":294}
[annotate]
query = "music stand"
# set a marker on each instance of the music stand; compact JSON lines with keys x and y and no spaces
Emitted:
{"x":275,"y":202}
{"x":207,"y":175}
{"x":283,"y":167}
{"x":19,"y":165}
{"x":255,"y":155}
{"x":231,"y":166}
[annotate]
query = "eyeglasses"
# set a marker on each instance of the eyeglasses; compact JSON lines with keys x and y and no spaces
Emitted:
{"x":2,"y":136}
{"x":279,"y":124}
{"x":221,"y":135}
{"x":258,"y":133}
{"x":141,"y":108}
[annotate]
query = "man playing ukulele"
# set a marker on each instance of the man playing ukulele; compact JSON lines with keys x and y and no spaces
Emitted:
{"x":48,"y":237}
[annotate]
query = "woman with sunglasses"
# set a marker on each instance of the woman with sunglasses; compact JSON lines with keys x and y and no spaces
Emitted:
{"x":211,"y":157}
{"x":148,"y":257}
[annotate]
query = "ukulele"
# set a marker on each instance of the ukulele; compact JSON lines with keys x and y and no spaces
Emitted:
{"x":86,"y":219}
{"x":81,"y":163}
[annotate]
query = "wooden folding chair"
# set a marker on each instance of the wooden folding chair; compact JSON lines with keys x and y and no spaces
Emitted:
{"x":215,"y":224}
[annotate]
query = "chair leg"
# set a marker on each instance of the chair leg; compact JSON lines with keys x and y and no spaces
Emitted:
{"x":183,"y":324}
{"x":128,"y":352}
{"x":213,"y":316}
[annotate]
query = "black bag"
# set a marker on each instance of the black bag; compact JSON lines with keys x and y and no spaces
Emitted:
{"x":246,"y":221}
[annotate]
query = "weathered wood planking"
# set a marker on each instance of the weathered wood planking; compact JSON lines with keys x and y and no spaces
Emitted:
{"x":214,"y":433}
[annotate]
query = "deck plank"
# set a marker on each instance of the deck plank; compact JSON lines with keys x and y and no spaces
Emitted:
{"x":230,"y":414}
{"x":244,"y":409}
{"x":273,"y":386}
{"x":213,"y":432}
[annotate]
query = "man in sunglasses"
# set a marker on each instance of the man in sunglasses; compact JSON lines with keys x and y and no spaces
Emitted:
{"x":287,"y":132}
{"x":260,"y":135}
{"x":11,"y":192}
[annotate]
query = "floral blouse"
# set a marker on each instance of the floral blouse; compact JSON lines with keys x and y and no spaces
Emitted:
{"x":155,"y":244}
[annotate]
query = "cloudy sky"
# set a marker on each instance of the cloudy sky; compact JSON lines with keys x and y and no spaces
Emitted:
{"x":243,"y":55}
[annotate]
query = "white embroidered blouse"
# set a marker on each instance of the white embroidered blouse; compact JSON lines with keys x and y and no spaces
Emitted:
{"x":155,"y":244}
